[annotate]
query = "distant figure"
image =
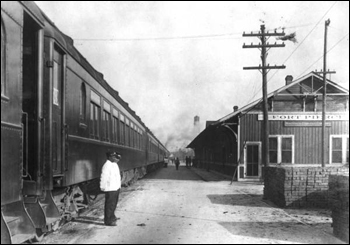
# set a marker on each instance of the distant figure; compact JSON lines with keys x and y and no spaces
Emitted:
{"x":186,"y":160}
{"x":110,"y":184}
{"x":194,"y":164}
{"x":189,"y":162}
{"x":177,"y":163}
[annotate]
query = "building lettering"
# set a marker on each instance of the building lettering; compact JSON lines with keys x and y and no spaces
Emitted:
{"x":304,"y":117}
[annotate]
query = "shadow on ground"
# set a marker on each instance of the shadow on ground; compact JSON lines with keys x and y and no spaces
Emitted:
{"x":170,"y":173}
{"x":237,"y":200}
{"x":285,"y":232}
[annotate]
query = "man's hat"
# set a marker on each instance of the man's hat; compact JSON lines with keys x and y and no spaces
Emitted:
{"x":114,"y":153}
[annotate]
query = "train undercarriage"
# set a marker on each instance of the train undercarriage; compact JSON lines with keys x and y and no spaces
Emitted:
{"x":35,"y":215}
{"x":31,"y":218}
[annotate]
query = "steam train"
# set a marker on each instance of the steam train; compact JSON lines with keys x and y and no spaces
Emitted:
{"x":58,"y":118}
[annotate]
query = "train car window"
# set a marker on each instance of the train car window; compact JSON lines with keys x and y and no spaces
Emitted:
{"x":82,"y":105}
{"x":94,"y":120}
{"x":136,"y":137}
{"x":141,"y":145}
{"x":122,"y":130}
{"x":127,"y":134}
{"x":106,"y":118}
{"x":140,"y":139}
{"x":115,"y":129}
{"x":3,"y":59}
{"x":105,"y":126}
{"x":130,"y":134}
{"x":57,"y":77}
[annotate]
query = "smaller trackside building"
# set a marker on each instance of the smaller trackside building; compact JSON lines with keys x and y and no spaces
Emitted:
{"x":233,"y":144}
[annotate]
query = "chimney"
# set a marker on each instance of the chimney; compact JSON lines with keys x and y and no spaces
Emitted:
{"x":289,"y":79}
{"x":196,"y":120}
{"x":235,"y":108}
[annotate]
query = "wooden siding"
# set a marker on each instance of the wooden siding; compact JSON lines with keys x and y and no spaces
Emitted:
{"x":250,"y":129}
{"x":307,"y":140}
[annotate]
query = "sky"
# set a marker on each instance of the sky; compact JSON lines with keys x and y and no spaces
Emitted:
{"x":172,"y":61}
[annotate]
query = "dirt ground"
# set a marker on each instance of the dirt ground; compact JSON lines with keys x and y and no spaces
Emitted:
{"x":194,"y":206}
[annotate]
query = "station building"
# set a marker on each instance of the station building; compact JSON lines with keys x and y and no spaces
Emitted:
{"x":233,"y":144}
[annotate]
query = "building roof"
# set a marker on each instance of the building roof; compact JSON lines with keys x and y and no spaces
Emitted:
{"x":315,"y":89}
{"x":336,"y":88}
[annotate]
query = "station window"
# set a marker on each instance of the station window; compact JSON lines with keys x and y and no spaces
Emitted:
{"x":3,"y":60}
{"x":309,"y":104}
{"x":339,"y":145}
{"x":94,"y":120}
{"x":281,"y":149}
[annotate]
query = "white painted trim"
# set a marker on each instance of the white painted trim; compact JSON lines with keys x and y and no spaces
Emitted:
{"x":258,"y":143}
{"x":344,"y":137}
{"x":279,"y":146}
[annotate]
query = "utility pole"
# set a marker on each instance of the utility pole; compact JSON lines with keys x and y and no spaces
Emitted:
{"x":263,"y":36}
{"x":324,"y":72}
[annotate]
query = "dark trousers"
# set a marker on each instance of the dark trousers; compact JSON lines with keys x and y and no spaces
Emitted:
{"x":111,"y":201}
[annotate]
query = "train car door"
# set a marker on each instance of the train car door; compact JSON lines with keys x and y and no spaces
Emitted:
{"x":252,"y":160}
{"x":32,"y":51}
{"x":58,"y":130}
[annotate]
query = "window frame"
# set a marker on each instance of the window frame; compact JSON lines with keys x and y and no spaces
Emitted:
{"x":95,"y":117}
{"x":345,"y":140}
{"x":280,"y":150}
{"x":115,"y":126}
{"x":106,"y":120}
{"x":82,"y":102}
{"x":121,"y":129}
{"x":3,"y":62}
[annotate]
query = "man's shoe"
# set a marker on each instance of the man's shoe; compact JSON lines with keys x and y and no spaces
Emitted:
{"x":114,"y":223}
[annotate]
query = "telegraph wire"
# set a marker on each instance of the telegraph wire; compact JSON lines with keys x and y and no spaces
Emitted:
{"x":303,"y":40}
{"x":308,"y":67}
{"x":158,"y":38}
{"x":212,"y":36}
{"x":298,"y":47}
{"x":322,"y":55}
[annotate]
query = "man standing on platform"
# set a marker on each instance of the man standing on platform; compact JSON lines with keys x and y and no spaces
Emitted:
{"x":111,"y":184}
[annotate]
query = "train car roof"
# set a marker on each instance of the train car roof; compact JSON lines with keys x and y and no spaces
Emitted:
{"x":67,"y":43}
{"x":35,"y":11}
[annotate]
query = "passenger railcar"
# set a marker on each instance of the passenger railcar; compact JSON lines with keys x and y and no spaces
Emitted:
{"x":58,"y":118}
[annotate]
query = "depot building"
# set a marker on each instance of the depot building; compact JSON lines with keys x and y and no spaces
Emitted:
{"x":233,"y":144}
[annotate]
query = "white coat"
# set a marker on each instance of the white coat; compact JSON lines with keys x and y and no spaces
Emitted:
{"x":110,"y":177}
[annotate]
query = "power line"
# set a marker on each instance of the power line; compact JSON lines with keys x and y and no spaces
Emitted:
{"x":322,"y":55}
{"x":214,"y":36}
{"x":309,"y":66}
{"x":298,"y":47}
{"x":159,"y":38}
{"x":303,"y":40}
